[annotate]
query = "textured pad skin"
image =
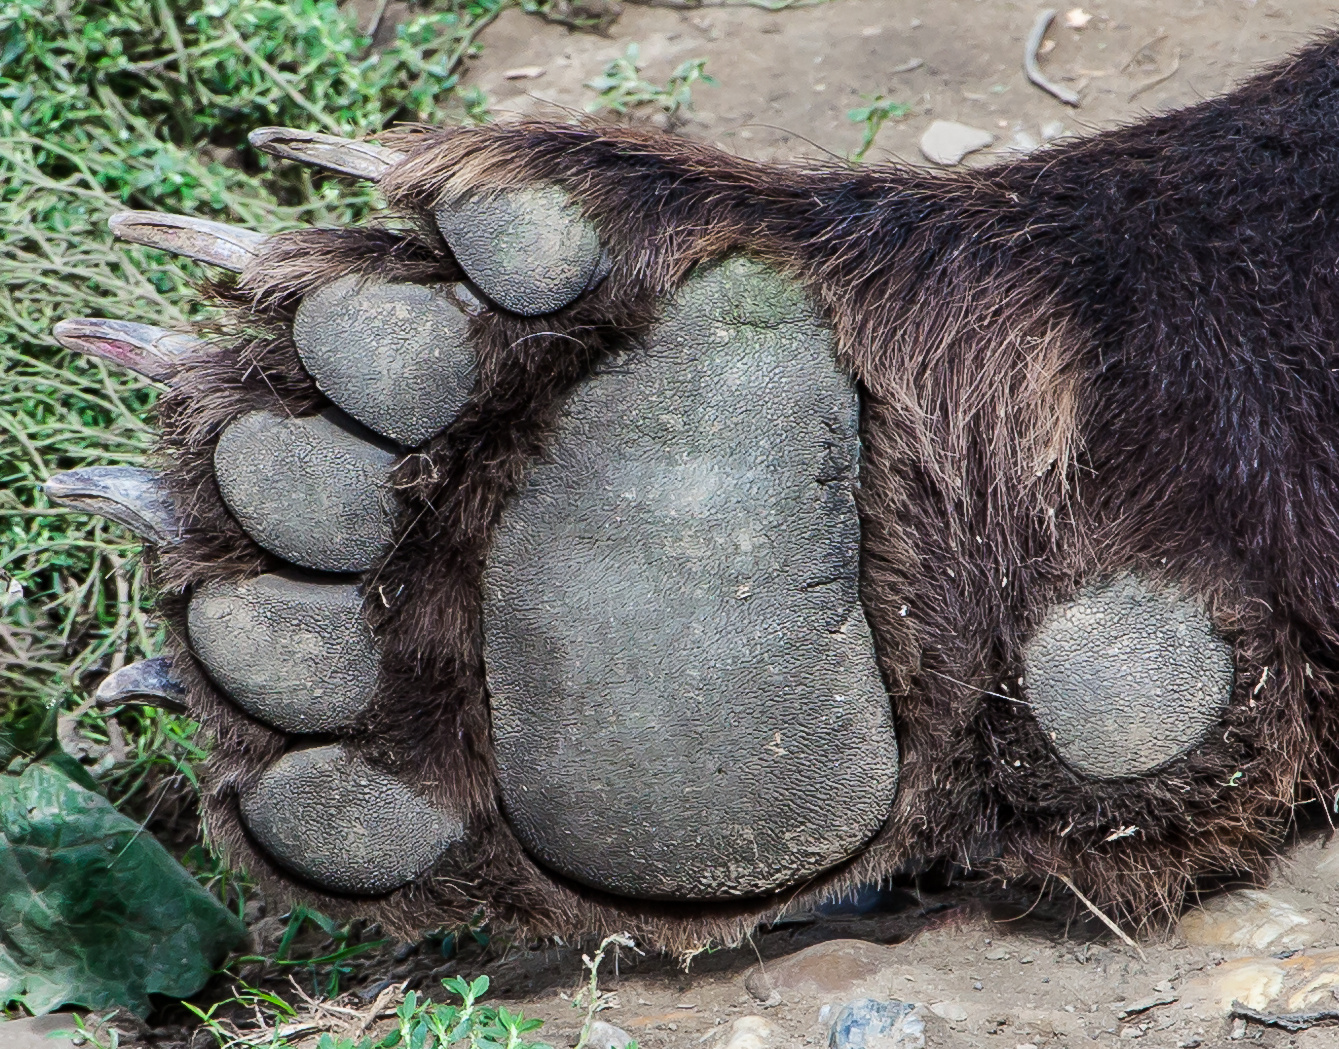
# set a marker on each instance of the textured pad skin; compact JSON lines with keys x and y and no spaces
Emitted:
{"x":1124,"y":678}
{"x":336,"y":821}
{"x":295,"y":653}
{"x":312,"y":490}
{"x":393,"y":356}
{"x":529,"y":250}
{"x":684,"y":693}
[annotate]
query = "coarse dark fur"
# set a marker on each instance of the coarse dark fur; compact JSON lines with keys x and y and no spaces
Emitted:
{"x":1115,"y":354}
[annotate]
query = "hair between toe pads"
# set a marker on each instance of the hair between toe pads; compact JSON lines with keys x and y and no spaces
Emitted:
{"x":1126,"y":677}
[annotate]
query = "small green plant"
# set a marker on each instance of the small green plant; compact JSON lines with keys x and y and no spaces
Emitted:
{"x":590,"y":997}
{"x":622,"y":88}
{"x":474,"y":100}
{"x":326,"y":970}
{"x":420,"y":1023}
{"x":873,"y":116}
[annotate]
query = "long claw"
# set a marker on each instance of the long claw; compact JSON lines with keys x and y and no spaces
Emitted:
{"x":345,"y":156}
{"x":152,"y":352}
{"x":150,"y":678}
{"x":128,"y":495}
{"x":213,"y":242}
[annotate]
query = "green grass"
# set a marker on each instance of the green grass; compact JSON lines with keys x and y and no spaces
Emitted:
{"x":620,"y":87}
{"x":420,"y":1023}
{"x":146,"y":104}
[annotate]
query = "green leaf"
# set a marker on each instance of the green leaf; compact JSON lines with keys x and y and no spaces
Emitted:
{"x":93,"y":911}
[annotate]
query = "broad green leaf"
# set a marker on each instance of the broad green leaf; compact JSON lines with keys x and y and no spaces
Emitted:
{"x":93,"y":911}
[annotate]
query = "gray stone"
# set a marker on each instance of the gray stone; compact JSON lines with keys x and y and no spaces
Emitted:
{"x":749,"y":1032}
{"x":868,"y":1023}
{"x":312,"y":490}
{"x":950,"y":1010}
{"x":52,"y":1031}
{"x":825,"y":970}
{"x":332,"y":819}
{"x":1124,"y":678}
{"x":607,"y":1036}
{"x":530,"y":250}
{"x":685,"y":699}
{"x":292,"y":651}
{"x":394,"y":356}
{"x":946,"y":142}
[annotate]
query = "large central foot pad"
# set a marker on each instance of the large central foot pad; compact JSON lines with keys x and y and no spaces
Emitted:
{"x":685,"y":698}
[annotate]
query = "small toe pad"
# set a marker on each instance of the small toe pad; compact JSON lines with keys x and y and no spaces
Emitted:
{"x":393,"y":356}
{"x":529,"y":250}
{"x":344,"y":825}
{"x":295,"y":653}
{"x":312,"y":490}
{"x":1124,"y":678}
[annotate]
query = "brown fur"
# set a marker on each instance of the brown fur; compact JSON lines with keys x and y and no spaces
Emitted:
{"x":1113,"y":355}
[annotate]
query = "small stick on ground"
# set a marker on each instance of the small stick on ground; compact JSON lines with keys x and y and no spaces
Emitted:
{"x":1176,"y":65}
{"x":1288,"y":1021}
{"x":1105,"y":920}
{"x":1030,"y":67}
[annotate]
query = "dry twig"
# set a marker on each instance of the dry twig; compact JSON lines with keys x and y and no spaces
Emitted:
{"x":1104,"y":919}
{"x":1030,"y":67}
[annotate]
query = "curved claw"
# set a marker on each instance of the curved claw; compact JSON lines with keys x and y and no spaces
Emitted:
{"x":230,"y":247}
{"x":344,"y":156}
{"x":151,"y":678}
{"x":128,"y":495}
{"x":152,"y":352}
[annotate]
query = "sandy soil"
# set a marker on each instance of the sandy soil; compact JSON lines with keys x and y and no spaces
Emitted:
{"x":788,"y":79}
{"x":983,"y":974}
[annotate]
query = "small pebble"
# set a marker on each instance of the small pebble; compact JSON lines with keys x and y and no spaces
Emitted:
{"x":868,"y":1022}
{"x":976,"y":986}
{"x":607,"y":1036}
{"x":946,"y":142}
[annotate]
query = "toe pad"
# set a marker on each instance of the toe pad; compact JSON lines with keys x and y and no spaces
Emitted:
{"x":393,"y":356}
{"x":295,"y":653}
{"x":336,"y":821}
{"x":529,"y":250}
{"x":1124,"y":678}
{"x":312,"y":490}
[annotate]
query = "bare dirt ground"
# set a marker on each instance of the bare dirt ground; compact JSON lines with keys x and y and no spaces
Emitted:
{"x":788,"y":79}
{"x":982,"y":976}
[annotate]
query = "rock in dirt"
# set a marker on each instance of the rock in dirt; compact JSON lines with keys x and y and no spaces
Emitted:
{"x":607,"y":1036}
{"x":53,"y":1031}
{"x":749,"y":1032}
{"x":1297,"y":984}
{"x":953,"y":1012}
{"x":946,"y":142}
{"x":1247,"y":918}
{"x":827,"y":969}
{"x":868,"y":1023}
